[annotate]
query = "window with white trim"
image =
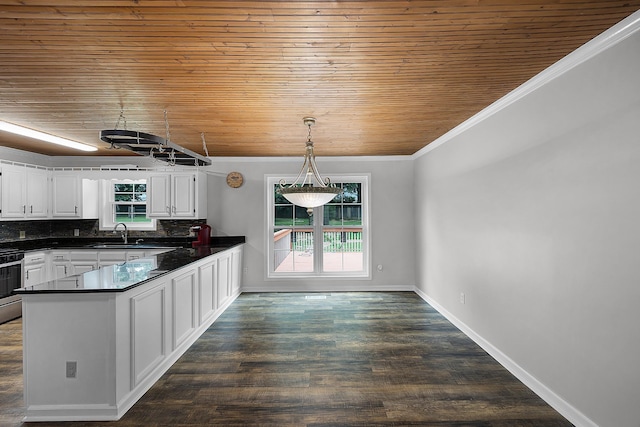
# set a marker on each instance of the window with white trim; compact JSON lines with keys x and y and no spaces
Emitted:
{"x":125,"y":201}
{"x":327,"y":241}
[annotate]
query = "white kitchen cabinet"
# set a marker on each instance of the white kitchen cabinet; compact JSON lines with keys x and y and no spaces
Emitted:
{"x":83,"y":261}
{"x":35,"y":268}
{"x":25,"y":192}
{"x":208,"y":289}
{"x":67,"y":195}
{"x":111,"y":257}
{"x":60,"y":264}
{"x":37,"y":193}
{"x":236,"y":270}
{"x":145,"y":253}
{"x":13,"y":196}
{"x":175,"y":195}
{"x":122,"y":341}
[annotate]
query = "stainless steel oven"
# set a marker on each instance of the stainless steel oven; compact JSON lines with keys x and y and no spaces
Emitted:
{"x":11,"y":277}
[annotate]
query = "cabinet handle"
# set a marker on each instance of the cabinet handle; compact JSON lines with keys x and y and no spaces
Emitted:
{"x":174,"y":209}
{"x":65,"y":269}
{"x":24,"y":208}
{"x":75,"y":209}
{"x":27,"y":275}
{"x":31,"y":209}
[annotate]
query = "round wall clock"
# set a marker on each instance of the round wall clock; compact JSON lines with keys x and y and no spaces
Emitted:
{"x":234,"y":179}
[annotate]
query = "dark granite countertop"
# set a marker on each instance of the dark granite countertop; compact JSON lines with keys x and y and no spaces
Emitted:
{"x":96,"y":242}
{"x":128,"y":275}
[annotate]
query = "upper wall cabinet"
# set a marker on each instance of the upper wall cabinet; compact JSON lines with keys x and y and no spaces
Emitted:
{"x":25,"y":192}
{"x":175,"y":195}
{"x":67,"y":195}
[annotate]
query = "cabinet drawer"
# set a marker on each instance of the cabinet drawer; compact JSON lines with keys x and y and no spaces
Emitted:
{"x":34,"y":258}
{"x":84,"y":255}
{"x":59,"y":256}
{"x":111,"y":255}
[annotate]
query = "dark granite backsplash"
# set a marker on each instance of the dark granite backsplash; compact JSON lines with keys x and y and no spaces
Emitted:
{"x":10,"y":230}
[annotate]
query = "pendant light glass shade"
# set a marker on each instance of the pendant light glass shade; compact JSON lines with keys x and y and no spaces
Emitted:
{"x":310,"y":197}
{"x":302,"y":192}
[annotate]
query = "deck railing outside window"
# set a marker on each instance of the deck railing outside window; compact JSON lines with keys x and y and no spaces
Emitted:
{"x":290,"y":241}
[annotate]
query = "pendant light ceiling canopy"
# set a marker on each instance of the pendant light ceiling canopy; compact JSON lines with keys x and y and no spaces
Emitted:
{"x":302,"y":191}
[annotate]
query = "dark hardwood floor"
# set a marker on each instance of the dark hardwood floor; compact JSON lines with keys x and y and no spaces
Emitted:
{"x":335,"y":359}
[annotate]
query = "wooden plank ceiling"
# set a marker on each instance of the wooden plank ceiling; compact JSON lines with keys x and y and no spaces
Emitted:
{"x":381,"y":77}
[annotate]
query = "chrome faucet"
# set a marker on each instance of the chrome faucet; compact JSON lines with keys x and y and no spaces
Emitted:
{"x":124,"y":233}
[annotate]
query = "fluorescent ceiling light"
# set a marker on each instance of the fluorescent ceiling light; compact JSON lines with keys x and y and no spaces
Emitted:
{"x":19,"y":130}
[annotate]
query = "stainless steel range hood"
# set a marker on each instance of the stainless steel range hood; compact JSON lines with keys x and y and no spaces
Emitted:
{"x":154,"y":146}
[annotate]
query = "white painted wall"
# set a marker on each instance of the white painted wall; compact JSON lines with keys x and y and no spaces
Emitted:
{"x":534,"y":214}
{"x":242,"y":211}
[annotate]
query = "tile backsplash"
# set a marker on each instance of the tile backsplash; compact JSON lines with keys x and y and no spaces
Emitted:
{"x":10,"y":230}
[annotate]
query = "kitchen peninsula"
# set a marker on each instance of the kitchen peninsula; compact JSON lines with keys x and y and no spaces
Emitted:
{"x":94,"y":343}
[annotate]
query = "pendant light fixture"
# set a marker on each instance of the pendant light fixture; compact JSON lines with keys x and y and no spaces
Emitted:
{"x":302,"y":192}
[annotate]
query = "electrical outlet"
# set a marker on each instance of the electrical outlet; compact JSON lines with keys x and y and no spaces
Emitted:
{"x":76,"y":232}
{"x":23,"y":234}
{"x":462,"y":298}
{"x":72,"y":369}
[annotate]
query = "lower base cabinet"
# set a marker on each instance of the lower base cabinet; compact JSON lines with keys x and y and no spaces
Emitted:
{"x":35,"y":268}
{"x":125,"y":341}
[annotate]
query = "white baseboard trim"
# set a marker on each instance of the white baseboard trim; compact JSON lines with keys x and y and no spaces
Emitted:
{"x":556,"y":402}
{"x":338,"y":287}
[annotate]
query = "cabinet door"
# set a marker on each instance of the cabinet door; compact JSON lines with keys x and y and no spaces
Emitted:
{"x":208,"y":290}
{"x":37,"y":193}
{"x":34,"y":274}
{"x":66,"y":196}
{"x":61,"y":269}
{"x":60,"y":265}
{"x":13,"y":192}
{"x":224,"y":278}
{"x":183,"y":196}
{"x":159,"y":196}
{"x":236,"y":270}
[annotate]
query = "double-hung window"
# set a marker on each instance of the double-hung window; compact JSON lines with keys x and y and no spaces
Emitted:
{"x":130,"y":202}
{"x":327,"y":241}
{"x":125,"y":201}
